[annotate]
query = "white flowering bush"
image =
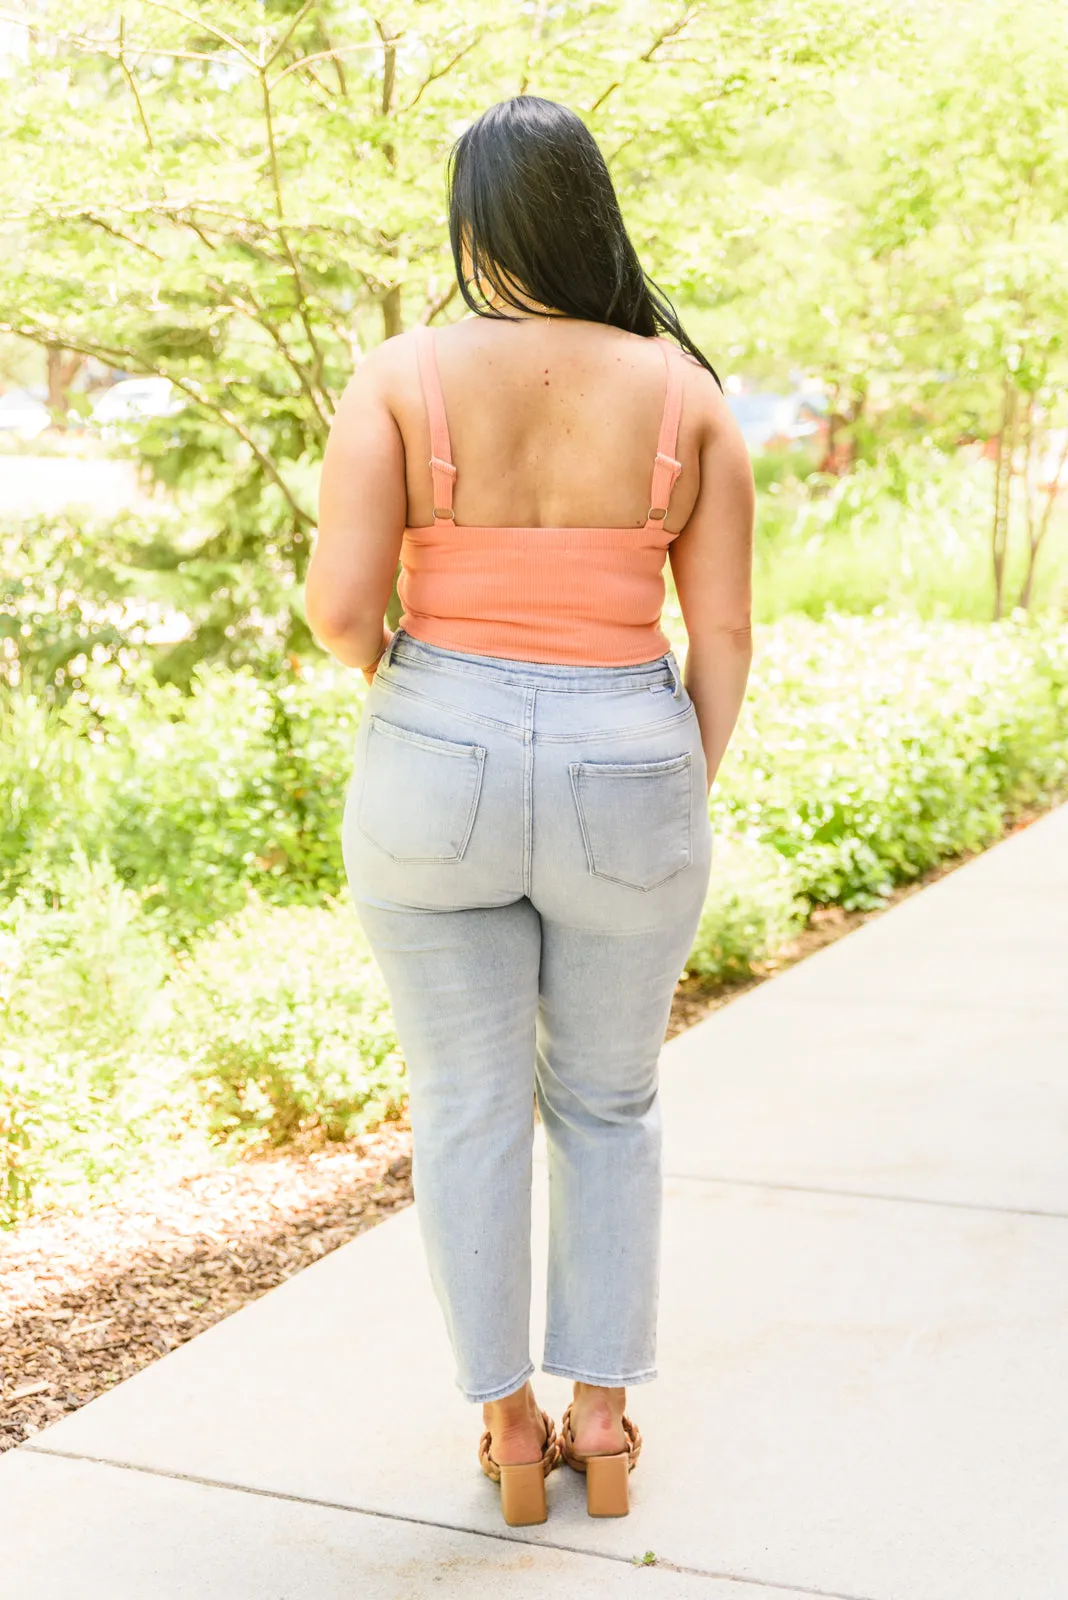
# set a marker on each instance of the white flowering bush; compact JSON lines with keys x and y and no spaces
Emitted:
{"x":871,"y":749}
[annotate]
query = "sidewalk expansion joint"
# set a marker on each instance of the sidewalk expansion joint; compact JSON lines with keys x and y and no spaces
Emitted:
{"x":869,"y":1194}
{"x":1038,"y":1006}
{"x":429,"y":1522}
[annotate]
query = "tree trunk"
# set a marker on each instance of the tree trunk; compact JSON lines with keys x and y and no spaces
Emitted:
{"x":391,"y":312}
{"x":999,"y":535}
{"x":1036,"y":533}
{"x":63,"y":368}
{"x":839,"y":455}
{"x":391,"y":300}
{"x":1028,"y":435}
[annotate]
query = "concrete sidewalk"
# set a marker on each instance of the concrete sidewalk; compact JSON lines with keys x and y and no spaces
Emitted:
{"x":863,"y":1358}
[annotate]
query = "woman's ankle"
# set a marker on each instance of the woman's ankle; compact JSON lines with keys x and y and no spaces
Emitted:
{"x":514,"y":1407}
{"x":595,"y":1396}
{"x":598,"y":1391}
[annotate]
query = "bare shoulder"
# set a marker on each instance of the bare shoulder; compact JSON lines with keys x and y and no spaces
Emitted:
{"x":708,"y":406}
{"x":382,"y":375}
{"x":701,"y":391}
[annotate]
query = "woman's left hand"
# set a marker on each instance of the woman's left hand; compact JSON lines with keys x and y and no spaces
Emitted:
{"x":369,"y":672}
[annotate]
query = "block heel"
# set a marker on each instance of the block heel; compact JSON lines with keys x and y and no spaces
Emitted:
{"x":607,"y":1485}
{"x":523,"y":1495}
{"x":523,"y":1500}
{"x":607,"y":1476}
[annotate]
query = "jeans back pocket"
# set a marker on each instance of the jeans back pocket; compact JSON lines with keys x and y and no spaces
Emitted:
{"x":418,"y":793}
{"x":636,"y":818}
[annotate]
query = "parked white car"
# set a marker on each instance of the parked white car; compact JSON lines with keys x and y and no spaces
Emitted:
{"x":767,"y":420}
{"x":136,"y":400}
{"x":23,"y":414}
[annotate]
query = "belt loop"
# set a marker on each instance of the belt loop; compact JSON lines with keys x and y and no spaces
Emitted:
{"x":676,"y":675}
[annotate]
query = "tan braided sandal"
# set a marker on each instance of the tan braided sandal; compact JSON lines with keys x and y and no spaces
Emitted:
{"x":523,"y":1484}
{"x":607,"y":1476}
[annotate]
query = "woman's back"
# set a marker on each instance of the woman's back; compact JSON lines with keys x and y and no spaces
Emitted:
{"x":552,"y":424}
{"x":548,"y":465}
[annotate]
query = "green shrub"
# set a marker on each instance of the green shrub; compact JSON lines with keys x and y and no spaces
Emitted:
{"x":119,"y":1058}
{"x":152,"y":588}
{"x":77,"y":588}
{"x":283,"y":1022}
{"x":197,"y":797}
{"x":751,"y":907}
{"x":50,"y":781}
{"x":871,"y":749}
{"x":908,"y":535}
{"x":178,"y":978}
{"x":87,"y":1092}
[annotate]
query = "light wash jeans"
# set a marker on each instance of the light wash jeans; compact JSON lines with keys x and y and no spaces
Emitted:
{"x":528,"y":849}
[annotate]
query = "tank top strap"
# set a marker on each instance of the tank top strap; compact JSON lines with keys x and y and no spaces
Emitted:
{"x":666,"y":468}
{"x":441,"y":464}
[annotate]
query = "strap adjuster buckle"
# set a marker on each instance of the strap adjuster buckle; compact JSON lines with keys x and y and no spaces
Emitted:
{"x":658,"y":513}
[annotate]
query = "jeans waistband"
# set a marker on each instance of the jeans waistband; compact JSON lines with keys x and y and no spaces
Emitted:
{"x":534,"y":674}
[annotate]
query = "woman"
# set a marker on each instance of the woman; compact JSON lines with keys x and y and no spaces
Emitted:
{"x":526,"y":832}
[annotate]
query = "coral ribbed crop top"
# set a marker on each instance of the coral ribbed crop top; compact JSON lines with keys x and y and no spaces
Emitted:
{"x":576,"y":596}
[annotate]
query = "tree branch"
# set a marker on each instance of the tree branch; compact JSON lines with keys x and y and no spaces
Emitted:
{"x":95,"y":221}
{"x":439,"y":302}
{"x":123,"y":358}
{"x":536,"y":26}
{"x":322,"y":55}
{"x":324,"y":95}
{"x":283,"y":236}
{"x":342,"y":81}
{"x":670,"y":32}
{"x":105,"y":47}
{"x":440,"y":72}
{"x":290,"y":31}
{"x":208,"y":27}
{"x":128,"y":75}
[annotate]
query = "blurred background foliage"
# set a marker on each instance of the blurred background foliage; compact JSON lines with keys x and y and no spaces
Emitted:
{"x":868,"y":192}
{"x":862,"y":200}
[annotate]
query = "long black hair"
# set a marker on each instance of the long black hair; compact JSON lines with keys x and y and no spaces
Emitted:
{"x":531,"y":196}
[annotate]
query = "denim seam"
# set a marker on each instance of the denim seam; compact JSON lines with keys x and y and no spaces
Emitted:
{"x":426,"y":741}
{"x":419,"y":861}
{"x":602,"y":1380}
{"x":513,"y":728}
{"x":457,"y":711}
{"x":487,"y":1396}
{"x":586,"y":845}
{"x":408,"y":905}
{"x":615,"y":677}
{"x":528,"y":790}
{"x":592,"y":735}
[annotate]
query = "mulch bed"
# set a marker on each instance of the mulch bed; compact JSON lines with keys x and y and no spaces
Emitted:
{"x":88,"y":1299}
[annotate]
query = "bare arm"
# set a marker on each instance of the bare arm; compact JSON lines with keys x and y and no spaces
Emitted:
{"x":362,"y":512}
{"x":712,"y":563}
